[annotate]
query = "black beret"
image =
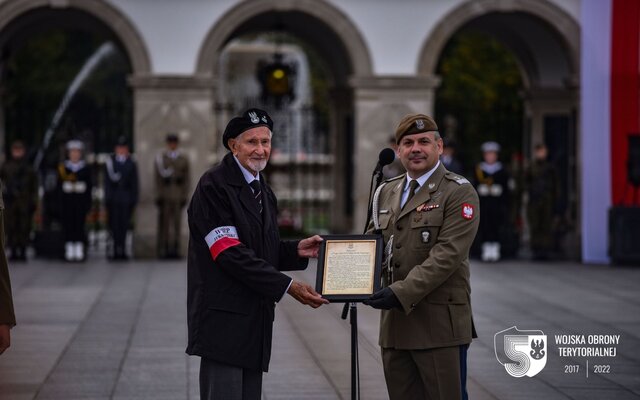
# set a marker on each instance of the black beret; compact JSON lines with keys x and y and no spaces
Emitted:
{"x":252,"y":118}
{"x":172,"y":137}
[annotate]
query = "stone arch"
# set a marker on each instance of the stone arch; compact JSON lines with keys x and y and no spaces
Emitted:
{"x":320,"y":10}
{"x":118,"y":22}
{"x":560,"y":21}
{"x":551,"y":78}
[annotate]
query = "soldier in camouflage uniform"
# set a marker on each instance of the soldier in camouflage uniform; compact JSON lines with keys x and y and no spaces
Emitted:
{"x":172,"y":189}
{"x":541,"y":182}
{"x":20,"y":192}
{"x":429,"y":218}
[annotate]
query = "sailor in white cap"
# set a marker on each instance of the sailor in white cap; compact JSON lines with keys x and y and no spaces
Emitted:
{"x":492,"y":184}
{"x":74,"y":186}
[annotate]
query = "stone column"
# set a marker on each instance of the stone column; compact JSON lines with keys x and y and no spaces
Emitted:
{"x":162,"y":104}
{"x":380,"y":103}
{"x":341,"y":126}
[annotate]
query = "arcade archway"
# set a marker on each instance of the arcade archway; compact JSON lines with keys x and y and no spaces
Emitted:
{"x":329,"y":33}
{"x":544,"y":40}
{"x":44,"y":47}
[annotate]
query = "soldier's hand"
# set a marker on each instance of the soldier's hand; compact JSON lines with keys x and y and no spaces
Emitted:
{"x":383,"y":299}
{"x":5,"y":337}
{"x":306,"y":295}
{"x":309,"y":247}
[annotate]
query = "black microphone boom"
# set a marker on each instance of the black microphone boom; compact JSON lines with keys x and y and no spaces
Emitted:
{"x":386,"y":157}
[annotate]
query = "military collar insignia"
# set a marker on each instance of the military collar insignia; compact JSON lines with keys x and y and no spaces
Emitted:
{"x":254,"y":117}
{"x":432,"y":185}
{"x":420,"y":124}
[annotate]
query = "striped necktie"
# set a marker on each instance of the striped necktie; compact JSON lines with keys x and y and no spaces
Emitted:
{"x":257,"y":193}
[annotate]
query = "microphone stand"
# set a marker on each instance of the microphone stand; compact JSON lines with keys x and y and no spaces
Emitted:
{"x":352,"y":306}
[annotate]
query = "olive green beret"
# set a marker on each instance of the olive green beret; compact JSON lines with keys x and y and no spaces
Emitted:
{"x":415,"y":123}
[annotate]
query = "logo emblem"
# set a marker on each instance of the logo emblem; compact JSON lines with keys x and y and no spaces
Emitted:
{"x":264,"y":119}
{"x":420,"y":124}
{"x":425,"y":236}
{"x":467,"y":211}
{"x":254,"y":117}
{"x":521,"y":352}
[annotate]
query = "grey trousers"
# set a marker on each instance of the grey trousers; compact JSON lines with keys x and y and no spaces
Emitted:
{"x":227,"y":382}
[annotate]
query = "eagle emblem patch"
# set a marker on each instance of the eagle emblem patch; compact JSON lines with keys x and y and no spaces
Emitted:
{"x":467,"y":211}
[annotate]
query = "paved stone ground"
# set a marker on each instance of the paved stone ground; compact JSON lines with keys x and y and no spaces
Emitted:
{"x":117,"y":331}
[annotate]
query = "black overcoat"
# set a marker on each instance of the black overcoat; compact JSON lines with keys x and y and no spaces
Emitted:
{"x":234,"y":263}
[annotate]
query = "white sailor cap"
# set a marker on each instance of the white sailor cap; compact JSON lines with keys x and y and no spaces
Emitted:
{"x":490,"y":146}
{"x":75,"y":145}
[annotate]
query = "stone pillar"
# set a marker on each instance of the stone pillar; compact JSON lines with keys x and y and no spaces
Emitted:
{"x":341,"y":126}
{"x":162,"y":104}
{"x":380,"y":103}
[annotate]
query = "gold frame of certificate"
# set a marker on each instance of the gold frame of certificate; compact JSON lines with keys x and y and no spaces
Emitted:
{"x":349,"y":267}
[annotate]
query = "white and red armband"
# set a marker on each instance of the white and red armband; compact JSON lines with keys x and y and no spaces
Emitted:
{"x":220,"y":239}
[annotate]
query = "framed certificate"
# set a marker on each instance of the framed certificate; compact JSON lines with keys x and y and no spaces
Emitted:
{"x":349,"y":267}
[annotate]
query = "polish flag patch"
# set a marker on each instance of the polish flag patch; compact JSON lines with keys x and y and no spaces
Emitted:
{"x":467,"y":211}
{"x":220,"y":239}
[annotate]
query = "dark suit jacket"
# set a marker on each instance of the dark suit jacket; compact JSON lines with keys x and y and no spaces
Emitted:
{"x":7,"y":315}
{"x":234,"y":263}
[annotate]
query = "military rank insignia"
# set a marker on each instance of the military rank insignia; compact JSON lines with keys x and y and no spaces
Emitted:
{"x":467,"y":211}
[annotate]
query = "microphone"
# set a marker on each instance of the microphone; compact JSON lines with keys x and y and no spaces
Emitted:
{"x":385,"y":157}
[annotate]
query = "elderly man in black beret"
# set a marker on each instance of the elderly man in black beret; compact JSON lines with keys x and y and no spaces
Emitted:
{"x":235,"y":262}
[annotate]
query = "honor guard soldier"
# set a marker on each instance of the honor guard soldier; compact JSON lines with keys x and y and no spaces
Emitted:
{"x":74,"y":187}
{"x":428,"y":218}
{"x":492,"y":183}
{"x":234,"y":263}
{"x":542,"y":185}
{"x":7,"y":315}
{"x":172,"y":189}
{"x":121,"y":195}
{"x":20,"y":191}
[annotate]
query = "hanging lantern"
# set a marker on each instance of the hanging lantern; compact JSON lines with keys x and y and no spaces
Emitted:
{"x":277,"y":80}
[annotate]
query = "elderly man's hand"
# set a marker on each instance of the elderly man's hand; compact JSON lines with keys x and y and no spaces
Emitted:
{"x":306,"y":295}
{"x":5,"y":338}
{"x":309,"y":247}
